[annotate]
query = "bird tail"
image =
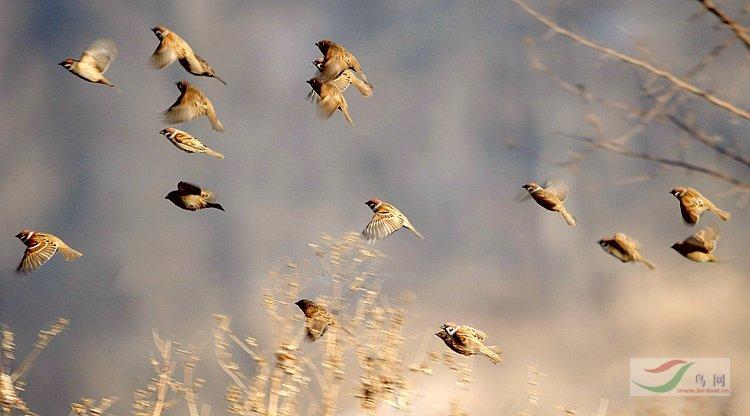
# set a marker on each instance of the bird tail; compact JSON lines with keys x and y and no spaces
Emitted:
{"x":69,"y":253}
{"x":414,"y":230}
{"x":569,"y":218}
{"x":220,"y":80}
{"x":215,"y":123}
{"x":345,"y":109}
{"x":493,"y":352}
{"x":215,"y":205}
{"x":723,"y":215}
{"x":214,"y":153}
{"x":647,"y":263}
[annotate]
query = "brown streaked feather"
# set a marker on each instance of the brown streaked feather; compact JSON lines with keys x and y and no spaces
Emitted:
{"x":382,"y":224}
{"x":37,"y":254}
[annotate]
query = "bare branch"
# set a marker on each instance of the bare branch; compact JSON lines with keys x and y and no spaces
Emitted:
{"x":662,"y":73}
{"x":704,"y":138}
{"x":737,"y":28}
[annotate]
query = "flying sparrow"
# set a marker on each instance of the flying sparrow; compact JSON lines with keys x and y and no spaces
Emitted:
{"x":386,"y":220}
{"x":693,"y":205}
{"x":172,"y":48}
{"x":468,"y":341}
{"x":94,"y":61}
{"x":337,"y":59}
{"x":700,"y":246}
{"x":551,"y":197}
{"x":624,"y":249}
{"x":40,"y":247}
{"x":187,"y":143}
{"x":190,"y":104}
{"x":192,"y":198}
{"x":317,"y":319}
{"x":330,"y":95}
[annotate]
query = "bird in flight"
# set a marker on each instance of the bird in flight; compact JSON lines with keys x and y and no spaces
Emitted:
{"x":386,"y":220}
{"x":94,"y":61}
{"x":173,"y":48}
{"x":192,"y":198}
{"x":190,"y":104}
{"x":187,"y":143}
{"x":40,"y":247}
{"x":551,"y":197}
{"x":466,"y":340}
{"x":693,"y":205}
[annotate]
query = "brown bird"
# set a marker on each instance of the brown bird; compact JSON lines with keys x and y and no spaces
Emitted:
{"x":551,"y":197}
{"x":624,"y":249}
{"x":317,"y":319}
{"x":94,"y":61}
{"x":337,"y":59}
{"x":190,"y":104}
{"x":468,"y":341}
{"x":700,"y":246}
{"x":386,"y":220}
{"x":330,"y":95}
{"x":40,"y":247}
{"x":192,"y":198}
{"x":187,"y":143}
{"x":693,"y":205}
{"x":172,"y":48}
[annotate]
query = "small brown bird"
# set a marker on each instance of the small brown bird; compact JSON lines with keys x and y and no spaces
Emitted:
{"x":551,"y":197}
{"x":40,"y":247}
{"x":190,"y":104}
{"x":700,"y":246}
{"x":693,"y":205}
{"x":624,"y":249}
{"x":172,"y":48}
{"x":336,"y":59}
{"x":386,"y":220}
{"x":187,"y":143}
{"x":330,"y":95}
{"x":94,"y":61}
{"x":317,"y":319}
{"x":192,"y":198}
{"x":468,"y":341}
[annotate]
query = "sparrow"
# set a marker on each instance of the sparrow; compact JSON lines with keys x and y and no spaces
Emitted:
{"x":337,"y":59}
{"x":192,"y":198}
{"x":330,"y":95}
{"x":386,"y":220}
{"x":551,"y":197}
{"x":624,"y":249}
{"x":693,"y":205}
{"x":468,"y":341}
{"x":172,"y":48}
{"x":40,"y":247}
{"x":187,"y":143}
{"x":700,"y":246}
{"x":317,"y":319}
{"x":190,"y":104}
{"x":94,"y":61}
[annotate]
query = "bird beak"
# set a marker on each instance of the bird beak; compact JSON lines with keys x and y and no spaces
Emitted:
{"x":62,"y":63}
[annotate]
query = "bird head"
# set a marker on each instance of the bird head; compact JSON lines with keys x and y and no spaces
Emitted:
{"x":168,"y":132}
{"x":182,"y":85}
{"x":450,"y":328}
{"x":160,"y":31}
{"x":323,"y":45}
{"x":314,"y":83}
{"x":24,"y":235}
{"x":602,"y":243}
{"x":676,"y":246}
{"x":67,"y":63}
{"x":531,"y":187}
{"x":677,"y":192}
{"x":173,"y":196}
{"x":374,"y":203}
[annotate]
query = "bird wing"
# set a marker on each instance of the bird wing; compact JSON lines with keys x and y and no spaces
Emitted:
{"x":557,"y":187}
{"x":166,"y":53}
{"x":37,"y":254}
{"x":382,"y":224}
{"x":465,"y":336}
{"x":343,"y":81}
{"x":704,"y":240}
{"x":188,"y":188}
{"x":100,"y":54}
{"x":188,"y":106}
{"x":480,"y":335}
{"x":626,"y":242}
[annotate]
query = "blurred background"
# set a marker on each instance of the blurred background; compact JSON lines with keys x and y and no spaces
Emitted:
{"x":453,"y":85}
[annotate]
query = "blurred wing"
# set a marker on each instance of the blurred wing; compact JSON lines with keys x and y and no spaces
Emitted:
{"x":186,"y":108}
{"x":363,"y":87}
{"x":163,"y":56}
{"x":465,"y":335}
{"x":705,"y":239}
{"x":522,"y":196}
{"x":480,"y":335}
{"x":37,"y":255}
{"x":188,"y":188}
{"x":330,"y":104}
{"x":100,"y":53}
{"x":624,"y":240}
{"x":343,"y":81}
{"x":557,"y":187}
{"x":382,"y":225}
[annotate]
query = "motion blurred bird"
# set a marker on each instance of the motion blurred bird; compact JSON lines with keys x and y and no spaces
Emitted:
{"x":330,"y":95}
{"x":187,"y":143}
{"x":94,"y":61}
{"x":386,"y":220}
{"x":192,"y":198}
{"x":693,"y":205}
{"x":700,"y":246}
{"x":468,"y":341}
{"x":551,"y":197}
{"x":40,"y":247}
{"x":172,"y":48}
{"x":190,"y":104}
{"x":317,"y":319}
{"x":624,"y":249}
{"x":337,"y":59}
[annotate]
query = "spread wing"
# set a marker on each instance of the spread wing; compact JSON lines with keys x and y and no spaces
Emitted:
{"x":165,"y":54}
{"x":557,"y":187}
{"x":100,"y":53}
{"x":382,"y":224}
{"x":187,"y":107}
{"x":188,"y":188}
{"x":37,"y":255}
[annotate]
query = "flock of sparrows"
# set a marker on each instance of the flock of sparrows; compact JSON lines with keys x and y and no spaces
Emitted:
{"x":337,"y":69}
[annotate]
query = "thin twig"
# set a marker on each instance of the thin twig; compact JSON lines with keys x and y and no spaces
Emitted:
{"x":737,"y":28}
{"x":704,"y":138}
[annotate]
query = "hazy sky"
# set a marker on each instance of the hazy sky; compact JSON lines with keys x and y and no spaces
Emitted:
{"x":452,"y":81}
